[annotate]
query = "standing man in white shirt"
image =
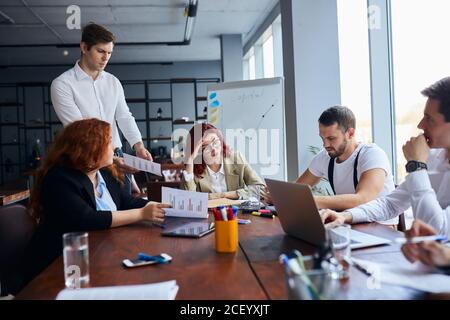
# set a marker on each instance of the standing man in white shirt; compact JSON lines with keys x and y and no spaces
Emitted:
{"x":427,"y":186}
{"x":357,"y":172}
{"x":87,"y":91}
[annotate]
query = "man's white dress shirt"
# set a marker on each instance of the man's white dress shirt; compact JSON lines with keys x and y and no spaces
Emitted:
{"x":426,"y":191}
{"x":75,"y":96}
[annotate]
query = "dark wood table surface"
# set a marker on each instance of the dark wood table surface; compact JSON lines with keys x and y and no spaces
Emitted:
{"x":264,"y":241}
{"x":253,"y":272}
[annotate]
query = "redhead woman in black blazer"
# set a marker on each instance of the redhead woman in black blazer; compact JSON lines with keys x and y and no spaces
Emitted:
{"x":78,"y":189}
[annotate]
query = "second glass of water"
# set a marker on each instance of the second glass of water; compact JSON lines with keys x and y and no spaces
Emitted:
{"x":76,"y":259}
{"x":339,"y":239}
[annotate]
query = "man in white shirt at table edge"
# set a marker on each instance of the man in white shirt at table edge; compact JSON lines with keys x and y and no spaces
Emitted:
{"x":357,"y":172}
{"x":87,"y":91}
{"x":427,"y":186}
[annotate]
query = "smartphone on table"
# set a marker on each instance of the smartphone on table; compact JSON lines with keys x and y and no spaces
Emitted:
{"x":131,"y":263}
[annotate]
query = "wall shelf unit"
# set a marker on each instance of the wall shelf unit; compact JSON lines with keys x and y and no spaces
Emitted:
{"x":27,"y":115}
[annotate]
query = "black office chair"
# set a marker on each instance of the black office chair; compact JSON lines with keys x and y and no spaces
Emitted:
{"x":401,"y":226}
{"x":16,"y":229}
{"x":401,"y":223}
{"x":154,"y":189}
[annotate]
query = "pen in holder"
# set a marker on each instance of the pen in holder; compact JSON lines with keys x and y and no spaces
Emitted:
{"x":307,"y":284}
{"x":226,"y":230}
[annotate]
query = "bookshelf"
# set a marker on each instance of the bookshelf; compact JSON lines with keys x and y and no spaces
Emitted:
{"x":27,"y":114}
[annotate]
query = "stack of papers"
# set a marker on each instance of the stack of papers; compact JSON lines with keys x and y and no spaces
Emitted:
{"x":155,"y":291}
{"x":416,"y":276}
{"x":142,"y":164}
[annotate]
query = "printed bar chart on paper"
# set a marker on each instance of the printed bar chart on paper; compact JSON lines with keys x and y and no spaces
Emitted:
{"x":186,"y":204}
{"x":142,"y":164}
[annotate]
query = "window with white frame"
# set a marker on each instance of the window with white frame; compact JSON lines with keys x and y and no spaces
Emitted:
{"x":420,"y":57}
{"x":268,"y":61}
{"x":251,"y":66}
{"x":354,"y":63}
{"x":259,"y":61}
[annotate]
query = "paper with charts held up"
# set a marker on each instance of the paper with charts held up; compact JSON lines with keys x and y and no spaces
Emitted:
{"x":155,"y":291}
{"x":185,"y":204}
{"x":142,"y":164}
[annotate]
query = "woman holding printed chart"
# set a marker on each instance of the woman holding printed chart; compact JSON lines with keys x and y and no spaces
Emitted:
{"x":77,"y":188}
{"x":211,"y":167}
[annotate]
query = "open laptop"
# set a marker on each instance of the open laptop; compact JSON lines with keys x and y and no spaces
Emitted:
{"x":299,"y":216}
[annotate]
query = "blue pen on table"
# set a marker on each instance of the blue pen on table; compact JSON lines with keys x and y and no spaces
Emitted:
{"x":244,"y":221}
{"x":361,"y":267}
{"x":146,"y":257}
{"x":440,"y":238}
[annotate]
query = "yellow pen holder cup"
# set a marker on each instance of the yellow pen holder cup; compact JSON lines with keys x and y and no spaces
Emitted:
{"x":226,"y":236}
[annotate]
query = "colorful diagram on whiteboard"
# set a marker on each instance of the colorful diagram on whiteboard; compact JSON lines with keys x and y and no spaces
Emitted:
{"x":213,"y":110}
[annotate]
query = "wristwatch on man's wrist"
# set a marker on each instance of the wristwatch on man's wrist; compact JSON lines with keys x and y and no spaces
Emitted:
{"x":413,"y":165}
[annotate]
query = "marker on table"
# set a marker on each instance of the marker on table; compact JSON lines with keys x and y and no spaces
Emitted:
{"x":244,"y":221}
{"x":264,"y":215}
{"x":421,"y":239}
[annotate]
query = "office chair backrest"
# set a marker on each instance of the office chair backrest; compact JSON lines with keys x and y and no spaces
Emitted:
{"x":16,"y":229}
{"x":401,"y":226}
{"x":401,"y":223}
{"x":154,"y":188}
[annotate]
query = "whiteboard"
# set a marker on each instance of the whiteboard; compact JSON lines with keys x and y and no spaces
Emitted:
{"x":250,"y":115}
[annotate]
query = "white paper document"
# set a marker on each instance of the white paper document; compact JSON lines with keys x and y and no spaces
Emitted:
{"x":416,"y":276}
{"x":185,"y":204}
{"x":156,"y":291}
{"x":142,"y":164}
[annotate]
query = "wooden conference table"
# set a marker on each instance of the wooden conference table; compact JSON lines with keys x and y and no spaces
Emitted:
{"x":253,"y":272}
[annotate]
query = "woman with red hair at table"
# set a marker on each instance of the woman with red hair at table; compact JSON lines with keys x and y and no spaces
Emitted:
{"x":77,"y":188}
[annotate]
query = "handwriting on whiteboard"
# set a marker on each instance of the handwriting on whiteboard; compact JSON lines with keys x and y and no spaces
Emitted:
{"x":250,"y":95}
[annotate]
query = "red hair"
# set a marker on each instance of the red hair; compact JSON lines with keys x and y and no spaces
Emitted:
{"x":194,"y":136}
{"x":81,"y":145}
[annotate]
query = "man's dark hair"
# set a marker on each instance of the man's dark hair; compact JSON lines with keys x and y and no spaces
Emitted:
{"x":440,"y":91}
{"x":341,"y":115}
{"x":94,"y":33}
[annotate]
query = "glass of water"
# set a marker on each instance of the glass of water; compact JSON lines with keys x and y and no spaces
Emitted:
{"x":254,"y":196}
{"x":76,"y":259}
{"x":339,"y":239}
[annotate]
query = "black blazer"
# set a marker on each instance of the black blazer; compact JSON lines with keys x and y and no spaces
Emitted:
{"x":68,"y":203}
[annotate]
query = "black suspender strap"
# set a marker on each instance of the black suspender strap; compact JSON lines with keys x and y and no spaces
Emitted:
{"x":330,"y":173}
{"x":355,"y":172}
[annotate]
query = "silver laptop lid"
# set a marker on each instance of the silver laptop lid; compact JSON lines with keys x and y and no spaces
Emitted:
{"x":297,"y":211}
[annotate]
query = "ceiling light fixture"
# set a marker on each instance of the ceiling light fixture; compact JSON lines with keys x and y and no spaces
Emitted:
{"x":190,"y":12}
{"x":8,"y":19}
